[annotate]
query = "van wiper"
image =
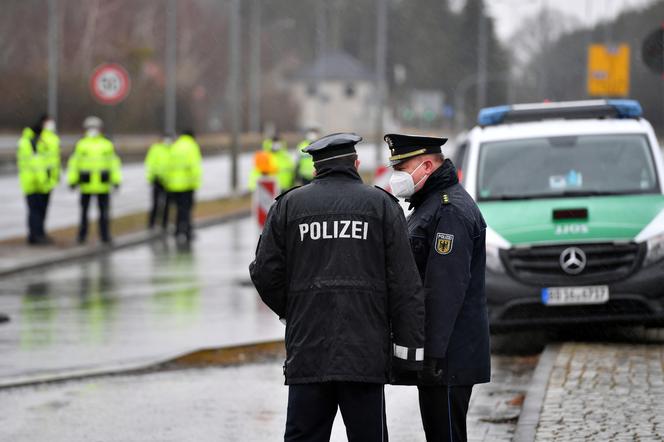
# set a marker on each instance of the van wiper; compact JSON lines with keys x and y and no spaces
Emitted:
{"x":564,"y":194}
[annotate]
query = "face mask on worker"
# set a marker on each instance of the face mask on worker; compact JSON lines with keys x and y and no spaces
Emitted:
{"x":92,"y":132}
{"x":49,"y":125}
{"x":402,"y":183}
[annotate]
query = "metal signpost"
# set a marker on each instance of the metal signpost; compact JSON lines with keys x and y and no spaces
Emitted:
{"x":110,"y":85}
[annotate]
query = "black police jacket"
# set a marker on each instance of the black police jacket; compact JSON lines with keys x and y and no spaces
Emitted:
{"x":334,"y":261}
{"x":447,"y":236}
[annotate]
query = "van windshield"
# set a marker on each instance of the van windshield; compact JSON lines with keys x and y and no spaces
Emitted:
{"x":565,"y":166}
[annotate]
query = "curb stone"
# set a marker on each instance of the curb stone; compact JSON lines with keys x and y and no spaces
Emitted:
{"x":201,"y":358}
{"x":526,"y":427}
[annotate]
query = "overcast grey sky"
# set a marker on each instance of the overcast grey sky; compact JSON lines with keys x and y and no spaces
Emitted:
{"x":509,"y":13}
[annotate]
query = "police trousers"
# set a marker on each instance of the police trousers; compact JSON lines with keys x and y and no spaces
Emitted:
{"x":312,"y":408}
{"x":37,"y":207}
{"x":184,"y":201}
{"x":103,"y":203}
{"x":443,"y":409}
{"x":159,"y":206}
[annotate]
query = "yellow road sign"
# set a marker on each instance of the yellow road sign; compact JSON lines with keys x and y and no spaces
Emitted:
{"x":608,"y":70}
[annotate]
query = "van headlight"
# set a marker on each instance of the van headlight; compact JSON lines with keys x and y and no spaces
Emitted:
{"x":494,"y":244}
{"x":655,"y":251}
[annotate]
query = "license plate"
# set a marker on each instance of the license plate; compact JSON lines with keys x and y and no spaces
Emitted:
{"x":592,"y":294}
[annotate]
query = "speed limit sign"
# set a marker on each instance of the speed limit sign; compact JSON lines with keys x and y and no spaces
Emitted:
{"x":110,"y":84}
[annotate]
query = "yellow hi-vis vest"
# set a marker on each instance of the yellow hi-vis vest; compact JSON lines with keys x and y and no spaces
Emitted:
{"x":52,"y":143}
{"x":32,"y":163}
{"x":286,"y":168}
{"x":94,"y":166}
{"x":185,"y":170}
{"x":156,"y":162}
{"x":305,"y":162}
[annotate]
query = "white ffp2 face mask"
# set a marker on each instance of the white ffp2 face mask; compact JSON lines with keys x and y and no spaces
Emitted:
{"x":402,"y":183}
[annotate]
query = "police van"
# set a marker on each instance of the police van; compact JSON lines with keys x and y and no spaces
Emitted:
{"x":573,"y":196}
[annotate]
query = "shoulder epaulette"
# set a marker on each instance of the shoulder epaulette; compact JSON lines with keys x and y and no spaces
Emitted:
{"x":445,"y":199}
{"x":285,"y":192}
{"x":391,"y":196}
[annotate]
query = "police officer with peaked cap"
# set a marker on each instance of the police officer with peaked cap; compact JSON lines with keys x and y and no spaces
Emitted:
{"x":447,"y":237}
{"x":334,"y":263}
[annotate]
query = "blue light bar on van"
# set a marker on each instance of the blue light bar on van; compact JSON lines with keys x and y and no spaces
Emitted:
{"x":564,"y":109}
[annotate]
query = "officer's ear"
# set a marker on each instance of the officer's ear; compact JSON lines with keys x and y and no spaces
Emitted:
{"x":357,"y":164}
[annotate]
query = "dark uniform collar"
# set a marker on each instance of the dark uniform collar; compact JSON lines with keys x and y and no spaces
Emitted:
{"x":442,"y":178}
{"x":334,"y":170}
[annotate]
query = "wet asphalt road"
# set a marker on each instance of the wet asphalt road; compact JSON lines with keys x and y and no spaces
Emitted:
{"x":139,"y":304}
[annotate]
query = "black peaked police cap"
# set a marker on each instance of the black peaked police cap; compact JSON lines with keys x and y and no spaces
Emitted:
{"x":333,"y":146}
{"x":403,"y":147}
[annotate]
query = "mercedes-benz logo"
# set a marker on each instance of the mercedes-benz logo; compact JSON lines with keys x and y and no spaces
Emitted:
{"x":573,"y":260}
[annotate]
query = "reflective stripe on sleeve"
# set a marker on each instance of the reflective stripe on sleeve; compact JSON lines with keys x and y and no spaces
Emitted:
{"x":408,"y":354}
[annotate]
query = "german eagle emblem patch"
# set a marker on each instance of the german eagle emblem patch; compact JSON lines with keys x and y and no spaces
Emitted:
{"x":444,"y":243}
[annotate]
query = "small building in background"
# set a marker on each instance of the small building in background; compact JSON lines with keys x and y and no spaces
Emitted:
{"x":335,"y":93}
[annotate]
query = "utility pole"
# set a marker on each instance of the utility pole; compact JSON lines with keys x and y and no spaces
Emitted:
{"x":381,"y":67}
{"x":321,"y":53}
{"x":482,"y":51}
{"x":255,"y":68}
{"x":233,"y":89}
{"x":171,"y":68}
{"x":53,"y":59}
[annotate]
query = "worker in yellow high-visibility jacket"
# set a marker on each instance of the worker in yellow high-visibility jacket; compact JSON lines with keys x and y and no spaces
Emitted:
{"x":285,"y":163}
{"x":95,"y":169}
{"x":156,"y":166}
{"x":304,"y":168}
{"x":182,"y":178}
{"x":38,"y":163}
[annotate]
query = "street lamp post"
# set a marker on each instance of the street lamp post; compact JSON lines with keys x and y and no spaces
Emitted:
{"x":255,"y":68}
{"x":233,"y":89}
{"x":53,"y":59}
{"x":381,"y":66}
{"x":170,"y":97}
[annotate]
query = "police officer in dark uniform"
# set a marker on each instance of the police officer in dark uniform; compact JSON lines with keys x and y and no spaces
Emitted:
{"x":447,"y":237}
{"x":335,"y":264}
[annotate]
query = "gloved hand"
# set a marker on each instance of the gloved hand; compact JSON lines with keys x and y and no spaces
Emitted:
{"x":430,"y":374}
{"x":72,"y":187}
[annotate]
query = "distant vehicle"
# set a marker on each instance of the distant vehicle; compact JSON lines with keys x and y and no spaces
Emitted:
{"x":572,"y":193}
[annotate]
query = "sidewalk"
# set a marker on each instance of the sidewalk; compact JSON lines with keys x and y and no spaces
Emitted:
{"x":596,"y":391}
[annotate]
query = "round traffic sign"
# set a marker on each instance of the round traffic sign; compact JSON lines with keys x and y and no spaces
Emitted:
{"x":110,"y":83}
{"x":652,"y":51}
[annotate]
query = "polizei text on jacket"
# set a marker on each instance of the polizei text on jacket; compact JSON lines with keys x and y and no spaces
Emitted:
{"x":334,"y":229}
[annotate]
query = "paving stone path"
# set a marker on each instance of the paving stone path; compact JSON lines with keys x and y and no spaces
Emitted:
{"x":605,"y":392}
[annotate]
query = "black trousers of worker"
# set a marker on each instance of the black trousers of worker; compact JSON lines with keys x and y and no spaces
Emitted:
{"x":103,"y":202}
{"x":159,"y":205}
{"x":443,"y":409}
{"x":37,"y":208}
{"x":312,"y":408}
{"x":184,"y":202}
